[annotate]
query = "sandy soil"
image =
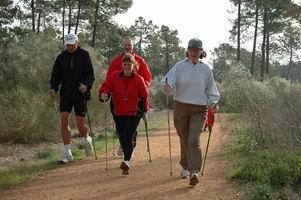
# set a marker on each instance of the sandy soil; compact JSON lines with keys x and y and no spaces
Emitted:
{"x":89,"y":179}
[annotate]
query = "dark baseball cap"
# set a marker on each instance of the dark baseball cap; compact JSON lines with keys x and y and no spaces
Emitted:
{"x":194,"y":44}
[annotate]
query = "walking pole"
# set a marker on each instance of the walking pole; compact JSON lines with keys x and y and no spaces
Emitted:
{"x":89,"y":122}
{"x":169,"y":142}
{"x":114,"y":132}
{"x":106,"y":132}
{"x":210,"y":130}
{"x":147,"y":141}
{"x":57,"y":111}
{"x":58,"y":116}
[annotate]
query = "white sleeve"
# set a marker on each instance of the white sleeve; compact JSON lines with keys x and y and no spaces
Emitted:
{"x":212,"y":91}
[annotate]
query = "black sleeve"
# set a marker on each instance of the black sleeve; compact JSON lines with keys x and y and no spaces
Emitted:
{"x":56,"y":75}
{"x":90,"y":75}
{"x":141,"y":105}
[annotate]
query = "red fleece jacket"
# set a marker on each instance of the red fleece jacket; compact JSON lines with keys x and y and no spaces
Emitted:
{"x":125,"y":92}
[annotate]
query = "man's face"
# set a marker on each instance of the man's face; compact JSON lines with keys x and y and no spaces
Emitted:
{"x":71,"y":48}
{"x":127,"y":46}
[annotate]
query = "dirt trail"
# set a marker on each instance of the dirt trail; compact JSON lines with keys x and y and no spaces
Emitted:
{"x":88,"y":179}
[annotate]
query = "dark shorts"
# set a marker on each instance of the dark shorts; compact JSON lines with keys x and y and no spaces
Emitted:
{"x":66,"y":105}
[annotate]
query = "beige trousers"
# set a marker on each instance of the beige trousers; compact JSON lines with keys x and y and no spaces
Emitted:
{"x":189,"y":121}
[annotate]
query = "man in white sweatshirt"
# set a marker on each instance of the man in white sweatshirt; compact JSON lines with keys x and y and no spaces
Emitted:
{"x":194,"y":89}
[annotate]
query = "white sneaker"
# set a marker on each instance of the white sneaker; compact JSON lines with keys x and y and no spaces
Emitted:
{"x":88,"y":146}
{"x":194,"y":179}
{"x":185,"y":173}
{"x":125,"y":167}
{"x":67,"y":157}
{"x":120,"y":151}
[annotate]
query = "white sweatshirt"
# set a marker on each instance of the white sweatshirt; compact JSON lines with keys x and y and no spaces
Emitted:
{"x":192,"y":84}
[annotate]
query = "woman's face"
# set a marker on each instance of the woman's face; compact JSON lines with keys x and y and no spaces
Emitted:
{"x":127,"y":68}
{"x":194,"y":54}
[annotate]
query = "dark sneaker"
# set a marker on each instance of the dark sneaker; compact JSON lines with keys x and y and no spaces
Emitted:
{"x":194,"y":179}
{"x":125,"y":167}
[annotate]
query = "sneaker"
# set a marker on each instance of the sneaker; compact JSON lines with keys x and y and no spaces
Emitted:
{"x":120,"y":151}
{"x":67,"y":157}
{"x":88,"y":146}
{"x":194,"y":179}
{"x":125,"y":167}
{"x":185,"y":173}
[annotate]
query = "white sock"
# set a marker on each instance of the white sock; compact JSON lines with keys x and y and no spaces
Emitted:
{"x":67,"y":148}
{"x":87,"y":139}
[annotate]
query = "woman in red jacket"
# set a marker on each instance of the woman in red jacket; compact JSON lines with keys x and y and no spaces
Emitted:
{"x":126,"y":88}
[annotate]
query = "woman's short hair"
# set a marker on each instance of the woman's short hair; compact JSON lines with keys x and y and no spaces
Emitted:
{"x":127,"y":57}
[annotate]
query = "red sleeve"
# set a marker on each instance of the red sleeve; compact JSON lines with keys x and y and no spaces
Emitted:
{"x":144,"y":71}
{"x":107,"y":85}
{"x":114,"y":66}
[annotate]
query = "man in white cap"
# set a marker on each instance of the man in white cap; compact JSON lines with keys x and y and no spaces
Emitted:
{"x":194,"y":89}
{"x":73,"y":72}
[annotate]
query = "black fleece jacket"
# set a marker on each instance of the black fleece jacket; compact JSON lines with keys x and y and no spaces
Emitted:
{"x":70,"y":70}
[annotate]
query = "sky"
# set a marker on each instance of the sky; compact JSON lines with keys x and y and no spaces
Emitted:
{"x":207,"y":20}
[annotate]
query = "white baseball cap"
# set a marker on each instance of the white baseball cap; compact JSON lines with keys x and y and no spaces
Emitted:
{"x":70,"y":38}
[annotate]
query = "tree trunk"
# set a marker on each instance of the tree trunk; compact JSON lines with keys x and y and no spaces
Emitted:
{"x":78,"y":15}
{"x":33,"y":15}
{"x":70,"y":19}
{"x":254,"y":41}
{"x":290,"y":62}
{"x":166,"y":56}
{"x":140,"y":45}
{"x":167,"y":61}
{"x":267,"y":62}
{"x":263,"y":46}
{"x":238,"y":31}
{"x":39,"y":21}
{"x":63,"y":23}
{"x":95,"y":24}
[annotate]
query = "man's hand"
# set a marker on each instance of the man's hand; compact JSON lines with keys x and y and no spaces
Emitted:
{"x":82,"y":88}
{"x":213,"y":104}
{"x":51,"y":93}
{"x":166,"y":87}
{"x":104,"y":96}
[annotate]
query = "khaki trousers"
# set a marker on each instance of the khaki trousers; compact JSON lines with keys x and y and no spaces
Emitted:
{"x":189,"y":121}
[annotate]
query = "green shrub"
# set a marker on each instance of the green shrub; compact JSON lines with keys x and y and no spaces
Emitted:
{"x":269,"y":168}
{"x":27,"y":117}
{"x":46,"y":154}
{"x":158,"y":98}
{"x":261,"y":192}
